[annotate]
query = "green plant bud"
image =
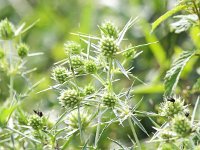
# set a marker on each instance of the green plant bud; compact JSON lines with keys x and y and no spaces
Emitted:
{"x":77,"y":62}
{"x":90,"y":67}
{"x":60,"y":74}
{"x":36,"y":122}
{"x":170,"y":109}
{"x":89,"y":90}
{"x":109,"y":100}
{"x":6,"y":30}
{"x":109,"y":30}
{"x":108,"y":47}
{"x":167,"y":135}
{"x":72,"y":120}
{"x":22,"y":50}
{"x":181,"y":125}
{"x":1,"y":54}
{"x":72,"y":47}
{"x":69,"y":98}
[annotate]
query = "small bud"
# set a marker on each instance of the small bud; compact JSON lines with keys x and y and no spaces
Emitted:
{"x":108,"y":47}
{"x":109,"y":30}
{"x":69,"y":98}
{"x":90,"y":67}
{"x":181,"y":125}
{"x":109,"y":100}
{"x":6,"y":30}
{"x":36,"y":122}
{"x":60,"y":74}
{"x":77,"y":62}
{"x":89,"y":90}
{"x":72,"y":47}
{"x":22,"y":50}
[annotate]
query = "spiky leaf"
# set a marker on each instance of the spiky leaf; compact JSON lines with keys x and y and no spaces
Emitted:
{"x":173,"y":75}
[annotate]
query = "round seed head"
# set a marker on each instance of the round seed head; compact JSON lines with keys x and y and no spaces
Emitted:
{"x":72,"y":47}
{"x":69,"y":98}
{"x":36,"y":122}
{"x":109,"y":30}
{"x":109,"y":100}
{"x":22,"y":50}
{"x":90,"y":67}
{"x":6,"y":30}
{"x":108,"y":47}
{"x":89,"y":90}
{"x":60,"y":74}
{"x":77,"y":62}
{"x":181,"y":125}
{"x":172,"y":107}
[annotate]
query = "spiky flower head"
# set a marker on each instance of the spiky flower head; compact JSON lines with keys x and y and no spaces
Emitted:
{"x":109,"y":100}
{"x":22,"y":50}
{"x":108,"y":47}
{"x":109,"y":30}
{"x":77,"y":62}
{"x":171,"y":108}
{"x":72,"y":47}
{"x":167,"y":135}
{"x":6,"y":30}
{"x":36,"y":122}
{"x":1,"y":54}
{"x":69,"y":98}
{"x":181,"y":125}
{"x":90,"y":67}
{"x":73,"y":123}
{"x":89,"y":90}
{"x":60,"y":74}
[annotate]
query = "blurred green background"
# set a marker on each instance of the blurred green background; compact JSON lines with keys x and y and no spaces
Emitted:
{"x":59,"y":18}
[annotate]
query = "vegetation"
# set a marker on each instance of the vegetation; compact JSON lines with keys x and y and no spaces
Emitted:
{"x":102,"y":90}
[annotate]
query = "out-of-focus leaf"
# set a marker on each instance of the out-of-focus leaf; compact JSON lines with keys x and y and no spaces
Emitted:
{"x":148,"y":89}
{"x":167,"y":15}
{"x":5,"y":113}
{"x":157,"y":50}
{"x":172,"y":75}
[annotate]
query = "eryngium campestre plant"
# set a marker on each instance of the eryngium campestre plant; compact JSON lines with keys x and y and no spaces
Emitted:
{"x":6,"y":30}
{"x":22,"y":50}
{"x":90,"y":67}
{"x":109,"y":100}
{"x":70,"y":98}
{"x":60,"y":74}
{"x":108,"y":47}
{"x":36,"y":122}
{"x":181,"y":125}
{"x":72,"y":47}
{"x":108,"y":29}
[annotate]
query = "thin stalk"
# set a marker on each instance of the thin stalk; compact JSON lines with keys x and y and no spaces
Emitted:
{"x":10,"y":69}
{"x":134,"y":133}
{"x":98,"y":129}
{"x":80,"y":126}
{"x":109,"y":76}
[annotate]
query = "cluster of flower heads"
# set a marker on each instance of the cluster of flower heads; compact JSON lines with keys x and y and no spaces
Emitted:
{"x":179,"y":126}
{"x":80,"y":63}
{"x":8,"y":32}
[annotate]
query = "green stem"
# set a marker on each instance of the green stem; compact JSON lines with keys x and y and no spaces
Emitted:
{"x":10,"y":70}
{"x":109,"y":76}
{"x":80,"y":126}
{"x":134,"y":133}
{"x":98,"y":130}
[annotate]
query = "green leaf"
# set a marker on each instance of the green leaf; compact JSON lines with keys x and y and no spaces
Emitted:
{"x":137,"y":122}
{"x":173,"y":75}
{"x":167,"y":15}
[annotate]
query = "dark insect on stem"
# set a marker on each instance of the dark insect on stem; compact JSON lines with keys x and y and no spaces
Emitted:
{"x":187,"y":114}
{"x":39,"y":113}
{"x":171,"y":99}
